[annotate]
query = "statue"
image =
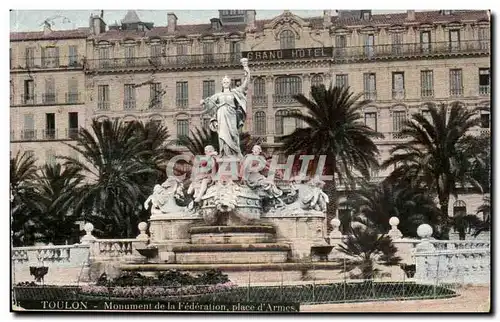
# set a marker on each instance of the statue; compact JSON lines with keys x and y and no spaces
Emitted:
{"x":228,"y":110}
{"x":256,"y":180}
{"x":316,"y":199}
{"x":200,"y":182}
{"x":166,"y":195}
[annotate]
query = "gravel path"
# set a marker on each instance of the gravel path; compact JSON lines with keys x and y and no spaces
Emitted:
{"x":471,"y":299}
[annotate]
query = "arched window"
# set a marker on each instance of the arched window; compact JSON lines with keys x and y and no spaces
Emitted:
{"x":316,"y":80}
{"x":459,"y":208}
{"x":287,"y":39}
{"x":260,"y":123}
{"x":286,"y":87}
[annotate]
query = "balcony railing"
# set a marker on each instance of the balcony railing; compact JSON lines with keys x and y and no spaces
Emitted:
{"x":49,"y":134}
{"x":72,"y":133}
{"x":129,"y":104}
{"x":73,"y":98}
{"x":181,"y":102}
{"x":371,"y":95}
{"x":28,"y":134}
{"x":390,"y":51}
{"x":284,"y":99}
{"x":165,"y":62}
{"x":49,"y":98}
{"x":36,"y":63}
{"x":398,"y":94}
{"x":398,"y":136}
{"x":484,"y":90}
{"x":259,"y":100}
{"x":28,"y":99}
{"x":426,"y":92}
{"x":456,"y":92}
{"x":103,"y":105}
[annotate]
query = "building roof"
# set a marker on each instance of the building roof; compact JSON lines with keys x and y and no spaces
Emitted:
{"x":131,"y":17}
{"x":423,"y":17}
{"x":56,"y":34}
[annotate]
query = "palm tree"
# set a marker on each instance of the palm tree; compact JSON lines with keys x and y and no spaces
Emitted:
{"x":58,"y":187}
{"x":485,"y":209}
{"x":335,"y":128}
{"x":437,"y":156}
{"x":26,"y":204}
{"x":121,"y":163}
{"x":379,"y":202}
{"x":365,"y":246}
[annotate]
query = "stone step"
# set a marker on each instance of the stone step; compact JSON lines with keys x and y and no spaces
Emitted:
{"x":232,"y":234}
{"x":231,"y":253}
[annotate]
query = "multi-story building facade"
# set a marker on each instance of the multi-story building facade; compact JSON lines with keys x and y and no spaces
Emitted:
{"x":402,"y":62}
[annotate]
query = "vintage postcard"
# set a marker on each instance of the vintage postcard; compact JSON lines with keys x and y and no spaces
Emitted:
{"x":277,"y":161}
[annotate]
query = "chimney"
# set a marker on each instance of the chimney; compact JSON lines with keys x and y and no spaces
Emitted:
{"x":172,"y":22}
{"x":216,"y":24}
{"x":327,"y":18}
{"x":97,"y":25}
{"x":410,"y":15}
{"x":250,"y":19}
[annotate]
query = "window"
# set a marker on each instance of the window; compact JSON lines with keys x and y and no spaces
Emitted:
{"x":50,"y":57}
{"x":129,"y":55}
{"x":398,"y":85}
{"x":484,"y":38}
{"x":208,"y":52}
{"x":286,"y":87}
{"x":72,"y":95}
{"x":398,"y":119}
{"x":182,"y":128}
{"x":29,"y":132}
{"x":235,"y":51}
{"x":454,"y":37}
{"x":341,"y":80}
{"x":129,"y":97}
{"x":29,"y":92}
{"x":260,"y":123}
{"x":103,"y":97}
{"x":208,"y":88}
{"x":317,"y":80}
{"x":181,"y":94}
{"x":397,"y":43}
{"x":426,"y":83}
{"x":29,"y":55}
{"x":459,"y":208}
{"x":50,"y":126}
{"x":156,"y":50}
{"x":484,"y":81}
{"x":485,"y":120}
{"x":371,"y":120}
{"x":104,"y":57}
{"x":155,"y":95}
{"x":205,"y":122}
{"x":369,"y":45}
{"x":340,"y":45}
{"x":49,"y":97}
{"x":287,"y":39}
{"x":259,"y":97}
{"x":425,"y":41}
{"x":72,"y":125}
{"x":369,"y":81}
{"x":456,"y":85}
{"x":73,"y":56}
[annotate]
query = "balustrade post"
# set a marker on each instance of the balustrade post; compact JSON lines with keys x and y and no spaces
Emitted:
{"x":335,"y":237}
{"x":425,"y":259}
{"x":394,"y":233}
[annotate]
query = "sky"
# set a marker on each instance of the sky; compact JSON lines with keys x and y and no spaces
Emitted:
{"x":32,"y":20}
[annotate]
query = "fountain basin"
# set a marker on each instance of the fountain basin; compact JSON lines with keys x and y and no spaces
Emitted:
{"x":232,"y":234}
{"x":231,"y":253}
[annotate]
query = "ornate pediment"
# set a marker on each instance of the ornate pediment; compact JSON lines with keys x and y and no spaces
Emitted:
{"x":287,"y":21}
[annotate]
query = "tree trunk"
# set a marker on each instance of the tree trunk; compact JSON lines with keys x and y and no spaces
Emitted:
{"x":443,"y":227}
{"x":332,"y":207}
